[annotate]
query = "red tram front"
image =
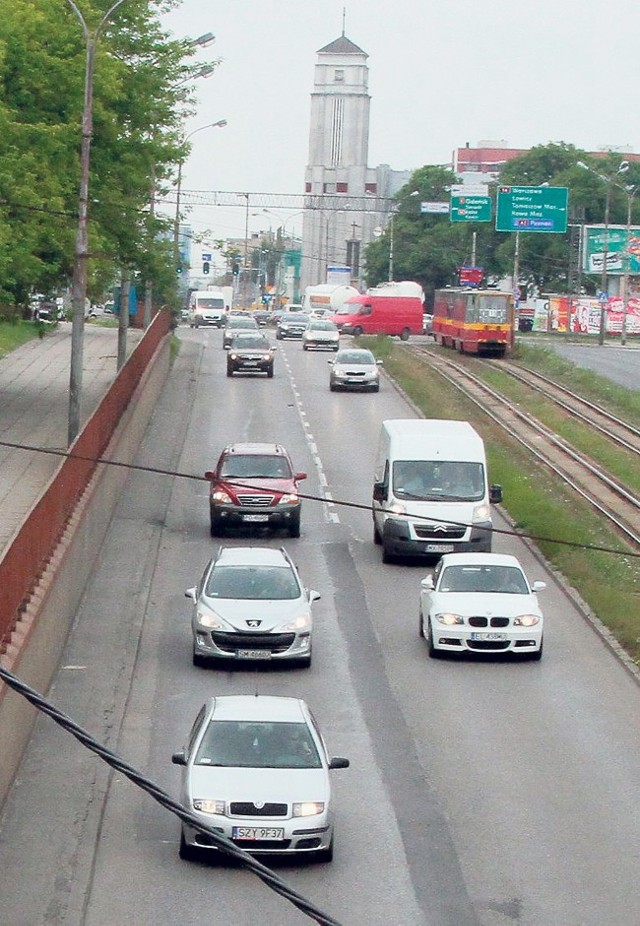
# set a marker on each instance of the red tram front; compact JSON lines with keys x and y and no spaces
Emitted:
{"x":474,"y":321}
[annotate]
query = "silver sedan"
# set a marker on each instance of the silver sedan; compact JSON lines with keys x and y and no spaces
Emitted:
{"x":355,"y":368}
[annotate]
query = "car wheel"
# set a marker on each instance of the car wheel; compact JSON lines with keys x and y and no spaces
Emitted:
{"x":377,"y":539}
{"x":386,"y":556}
{"x":404,"y":334}
{"x":278,"y":336}
{"x":433,"y":652}
{"x":304,"y":662}
{"x":421,"y":625}
{"x":537,"y":656}
{"x":229,"y":371}
{"x":357,"y":331}
{"x":186,"y":852}
{"x":217,"y":530}
{"x":198,"y":660}
{"x":336,"y":348}
{"x":376,"y":388}
{"x":270,"y":372}
{"x":294,"y":526}
{"x":304,"y":347}
{"x":333,"y":387}
{"x":325,"y":855}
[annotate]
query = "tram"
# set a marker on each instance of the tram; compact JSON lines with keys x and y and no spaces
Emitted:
{"x":474,"y":321}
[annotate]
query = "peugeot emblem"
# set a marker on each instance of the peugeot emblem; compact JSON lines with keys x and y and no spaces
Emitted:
{"x":253,"y":623}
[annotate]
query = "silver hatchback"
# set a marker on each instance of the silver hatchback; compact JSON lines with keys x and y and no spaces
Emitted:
{"x":255,"y":769}
{"x":251,"y":606}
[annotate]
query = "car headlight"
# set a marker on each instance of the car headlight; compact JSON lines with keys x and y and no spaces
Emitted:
{"x":291,"y":499}
{"x":481,"y":513}
{"x":526,"y":620}
{"x":209,"y":620}
{"x":396,"y":508}
{"x":308,"y":808}
{"x":301,"y":622}
{"x":221,"y":496}
{"x":339,"y":374}
{"x":449,"y":619}
{"x":209,"y":805}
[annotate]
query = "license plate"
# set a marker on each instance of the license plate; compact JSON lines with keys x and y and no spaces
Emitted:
{"x":255,"y":518}
{"x":254,"y":654}
{"x":439,"y":548}
{"x":250,"y":363}
{"x":497,"y":637}
{"x":257,"y":832}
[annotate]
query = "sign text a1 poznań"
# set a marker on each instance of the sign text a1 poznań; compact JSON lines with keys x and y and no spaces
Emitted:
{"x":532,"y":209}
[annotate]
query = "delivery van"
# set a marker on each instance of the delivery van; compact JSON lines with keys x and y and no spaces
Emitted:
{"x":375,"y":314}
{"x":207,"y":307}
{"x":430,"y":491}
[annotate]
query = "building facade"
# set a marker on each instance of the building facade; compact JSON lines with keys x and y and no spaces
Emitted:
{"x":345,"y":200}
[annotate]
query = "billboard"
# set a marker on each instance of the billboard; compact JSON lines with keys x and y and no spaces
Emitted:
{"x":593,"y":247}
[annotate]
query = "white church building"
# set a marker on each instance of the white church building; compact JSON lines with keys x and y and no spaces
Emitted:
{"x":345,"y":200}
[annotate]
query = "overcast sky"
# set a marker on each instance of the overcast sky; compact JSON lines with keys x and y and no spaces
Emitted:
{"x":441,"y":73}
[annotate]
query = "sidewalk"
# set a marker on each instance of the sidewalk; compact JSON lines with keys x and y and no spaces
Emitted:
{"x":34,"y":410}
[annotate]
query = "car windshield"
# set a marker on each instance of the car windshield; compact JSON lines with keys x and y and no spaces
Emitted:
{"x":431,"y":480}
{"x":257,"y":583}
{"x":288,"y":318}
{"x":255,"y":466}
{"x":241,"y":744}
{"x":241,"y":321}
{"x":508,"y":580}
{"x":322,"y":326}
{"x":355,"y":356}
{"x":249,"y":343}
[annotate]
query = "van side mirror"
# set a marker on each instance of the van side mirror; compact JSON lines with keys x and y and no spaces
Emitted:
{"x":538,"y":586}
{"x":495,"y":494}
{"x":179,"y":758}
{"x":379,"y":491}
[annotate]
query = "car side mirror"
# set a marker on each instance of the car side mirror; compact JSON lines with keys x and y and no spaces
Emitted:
{"x":300,"y":476}
{"x":427,"y":583}
{"x":538,"y":586}
{"x":331,"y":362}
{"x":495,"y":494}
{"x":209,"y":475}
{"x":313,"y":595}
{"x":379,"y":363}
{"x":379,"y":491}
{"x":339,"y":762}
{"x":179,"y":758}
{"x":191,"y":593}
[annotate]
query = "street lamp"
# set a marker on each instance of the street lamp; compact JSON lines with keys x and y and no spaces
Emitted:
{"x":80,"y":270}
{"x":176,"y":223}
{"x":624,"y":166}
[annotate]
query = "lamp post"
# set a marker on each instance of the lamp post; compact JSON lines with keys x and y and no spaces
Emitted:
{"x":631,"y":192}
{"x":80,"y":272}
{"x":176,"y":223}
{"x":624,"y":166}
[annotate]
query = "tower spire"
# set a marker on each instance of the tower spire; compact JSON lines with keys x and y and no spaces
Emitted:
{"x":344,"y":16}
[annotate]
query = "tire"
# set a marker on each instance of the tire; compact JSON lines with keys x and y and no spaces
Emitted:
{"x":278,"y":336}
{"x":305,"y":662}
{"x":376,"y":388}
{"x":386,"y":556}
{"x":336,"y":348}
{"x":216,"y":528}
{"x":229,"y":371}
{"x":294,"y":526}
{"x":461,"y":347}
{"x":304,"y":347}
{"x":357,"y":331}
{"x":421,"y":625}
{"x":325,"y":855}
{"x":186,"y":852}
{"x":433,"y":652}
{"x":270,"y":372}
{"x":199,"y":661}
{"x":404,"y":334}
{"x":333,"y":387}
{"x":377,"y":539}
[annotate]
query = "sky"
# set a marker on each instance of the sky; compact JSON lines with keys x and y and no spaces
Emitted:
{"x":441,"y":73}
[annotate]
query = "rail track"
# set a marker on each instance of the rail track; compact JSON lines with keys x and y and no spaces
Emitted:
{"x":617,"y":503}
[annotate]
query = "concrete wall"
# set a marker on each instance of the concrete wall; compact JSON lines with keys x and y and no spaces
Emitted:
{"x":39,"y":639}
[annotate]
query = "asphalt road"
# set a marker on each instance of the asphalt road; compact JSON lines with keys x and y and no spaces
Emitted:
{"x":480,"y":793}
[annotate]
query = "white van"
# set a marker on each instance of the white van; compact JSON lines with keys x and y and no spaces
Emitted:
{"x":207,"y":307}
{"x":430,"y":490}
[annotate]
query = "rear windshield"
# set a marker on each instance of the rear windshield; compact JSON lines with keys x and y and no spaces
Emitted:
{"x":251,"y":744}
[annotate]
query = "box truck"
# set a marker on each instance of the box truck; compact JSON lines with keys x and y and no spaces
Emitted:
{"x":430,"y":490}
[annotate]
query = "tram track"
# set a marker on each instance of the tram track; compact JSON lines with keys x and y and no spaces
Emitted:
{"x":618,"y":504}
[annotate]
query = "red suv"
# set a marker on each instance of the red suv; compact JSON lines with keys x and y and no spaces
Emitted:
{"x":254,"y":484}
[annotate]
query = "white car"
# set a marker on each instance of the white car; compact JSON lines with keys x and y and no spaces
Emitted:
{"x":481,"y":603}
{"x":355,"y":368}
{"x":320,"y":332}
{"x":251,"y":606}
{"x":255,"y":769}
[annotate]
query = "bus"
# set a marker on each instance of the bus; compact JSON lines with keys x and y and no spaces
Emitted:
{"x":474,"y":321}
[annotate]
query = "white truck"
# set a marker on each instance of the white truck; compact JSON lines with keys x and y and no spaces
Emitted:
{"x":207,"y":307}
{"x":430,"y":490}
{"x":326,"y":296}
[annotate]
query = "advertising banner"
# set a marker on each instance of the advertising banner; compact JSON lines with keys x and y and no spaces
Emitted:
{"x":585,"y":316}
{"x":593,"y":249}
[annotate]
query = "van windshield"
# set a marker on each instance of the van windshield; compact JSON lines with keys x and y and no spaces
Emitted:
{"x":349,"y":308}
{"x":210,"y":302}
{"x":438,"y":480}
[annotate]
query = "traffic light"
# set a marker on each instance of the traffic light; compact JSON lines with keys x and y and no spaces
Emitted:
{"x":236,"y":269}
{"x":205,"y":266}
{"x":179,"y":268}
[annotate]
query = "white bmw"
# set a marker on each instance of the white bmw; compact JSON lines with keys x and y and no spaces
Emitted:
{"x":481,"y":603}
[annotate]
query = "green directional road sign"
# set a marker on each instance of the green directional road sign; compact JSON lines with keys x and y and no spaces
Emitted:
{"x":470,"y":208}
{"x":532,"y":209}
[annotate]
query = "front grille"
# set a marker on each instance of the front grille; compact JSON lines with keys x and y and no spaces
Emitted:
{"x":440,"y":531}
{"x":256,"y":501}
{"x":270,"y":642}
{"x":492,"y":622}
{"x":354,"y":373}
{"x":247,"y":809}
{"x":488,"y":644}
